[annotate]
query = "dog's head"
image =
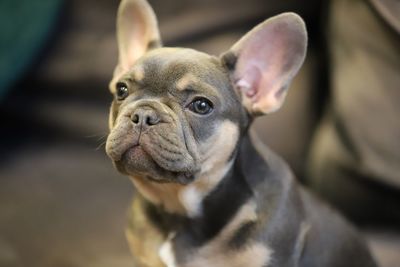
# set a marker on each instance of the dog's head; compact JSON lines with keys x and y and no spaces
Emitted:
{"x":178,"y":112}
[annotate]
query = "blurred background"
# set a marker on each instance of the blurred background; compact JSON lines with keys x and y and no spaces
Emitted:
{"x":61,"y":202}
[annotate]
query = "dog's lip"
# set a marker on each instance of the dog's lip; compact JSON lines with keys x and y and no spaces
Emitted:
{"x":129,"y":148}
{"x":180,"y":178}
{"x":183,"y":178}
{"x":132,"y":146}
{"x":135,"y":145}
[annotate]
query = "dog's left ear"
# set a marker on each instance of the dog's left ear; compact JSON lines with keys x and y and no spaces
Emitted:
{"x":264,"y":61}
{"x":137,"y":32}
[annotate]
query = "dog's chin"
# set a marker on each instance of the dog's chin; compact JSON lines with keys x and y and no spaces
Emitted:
{"x":137,"y":162}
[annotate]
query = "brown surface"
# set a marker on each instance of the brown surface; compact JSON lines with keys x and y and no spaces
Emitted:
{"x":62,"y":205}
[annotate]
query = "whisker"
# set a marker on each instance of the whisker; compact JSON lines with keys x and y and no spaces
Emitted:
{"x":98,"y":136}
{"x":101,"y":145}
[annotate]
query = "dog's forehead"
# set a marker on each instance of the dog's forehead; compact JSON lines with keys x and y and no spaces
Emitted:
{"x":177,"y":69}
{"x":178,"y":60}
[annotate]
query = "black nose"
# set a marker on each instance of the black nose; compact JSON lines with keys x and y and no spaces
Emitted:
{"x":145,"y":117}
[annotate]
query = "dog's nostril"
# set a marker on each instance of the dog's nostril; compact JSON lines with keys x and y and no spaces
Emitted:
{"x":145,"y":117}
{"x":152,"y":120}
{"x":135,"y":118}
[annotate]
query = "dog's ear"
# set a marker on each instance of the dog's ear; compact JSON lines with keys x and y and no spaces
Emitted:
{"x":137,"y":32}
{"x":264,"y":61}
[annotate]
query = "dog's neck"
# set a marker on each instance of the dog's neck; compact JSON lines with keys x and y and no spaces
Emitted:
{"x":193,"y":199}
{"x":184,"y":200}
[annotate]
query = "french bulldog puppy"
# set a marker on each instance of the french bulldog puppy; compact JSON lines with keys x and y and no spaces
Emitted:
{"x":209,"y":194}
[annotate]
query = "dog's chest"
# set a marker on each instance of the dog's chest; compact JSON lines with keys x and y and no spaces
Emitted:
{"x":216,"y":255}
{"x":231,"y":247}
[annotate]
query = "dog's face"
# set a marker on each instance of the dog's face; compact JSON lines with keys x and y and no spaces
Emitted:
{"x":177,"y":111}
{"x":166,"y":108}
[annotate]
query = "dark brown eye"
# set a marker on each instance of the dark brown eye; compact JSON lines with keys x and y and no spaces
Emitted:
{"x":201,"y":106}
{"x":122,"y":91}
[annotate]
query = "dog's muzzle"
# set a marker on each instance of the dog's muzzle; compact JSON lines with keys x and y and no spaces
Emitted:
{"x":146,"y":140}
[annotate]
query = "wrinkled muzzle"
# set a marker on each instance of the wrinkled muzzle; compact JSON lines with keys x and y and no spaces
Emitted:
{"x":149,"y":140}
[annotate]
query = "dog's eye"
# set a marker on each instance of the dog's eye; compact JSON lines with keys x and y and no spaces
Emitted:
{"x":201,"y":106}
{"x":122,"y":91}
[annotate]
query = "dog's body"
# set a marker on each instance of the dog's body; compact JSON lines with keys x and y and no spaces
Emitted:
{"x":208,"y":195}
{"x":256,"y":217}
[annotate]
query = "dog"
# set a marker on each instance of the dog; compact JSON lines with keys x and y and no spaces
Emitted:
{"x":209,"y":193}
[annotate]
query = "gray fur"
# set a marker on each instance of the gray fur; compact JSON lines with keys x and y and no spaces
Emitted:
{"x":254,"y":214}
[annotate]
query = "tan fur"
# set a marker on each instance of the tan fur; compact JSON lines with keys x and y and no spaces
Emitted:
{"x":254,"y":255}
{"x":216,"y":253}
{"x":186,"y":80}
{"x":138,"y":73}
{"x":216,"y":151}
{"x":165,"y":194}
{"x":175,"y":197}
{"x":145,"y":239}
{"x":110,"y":119}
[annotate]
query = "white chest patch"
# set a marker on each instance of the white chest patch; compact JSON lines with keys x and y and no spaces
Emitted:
{"x":166,"y":252}
{"x":191,"y":198}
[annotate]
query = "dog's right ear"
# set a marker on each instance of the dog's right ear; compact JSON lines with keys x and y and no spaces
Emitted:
{"x":137,"y":32}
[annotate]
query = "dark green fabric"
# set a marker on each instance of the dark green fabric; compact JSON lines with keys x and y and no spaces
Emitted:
{"x":24,"y":26}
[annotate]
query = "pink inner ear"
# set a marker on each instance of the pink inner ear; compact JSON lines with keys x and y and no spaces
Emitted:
{"x":249,"y":83}
{"x":261,"y":61}
{"x":133,"y":37}
{"x":136,"y":27}
{"x":268,"y":58}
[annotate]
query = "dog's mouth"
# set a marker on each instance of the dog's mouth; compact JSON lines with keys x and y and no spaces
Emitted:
{"x":159,"y":153}
{"x":139,"y":160}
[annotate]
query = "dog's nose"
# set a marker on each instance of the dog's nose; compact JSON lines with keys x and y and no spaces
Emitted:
{"x":145,"y":117}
